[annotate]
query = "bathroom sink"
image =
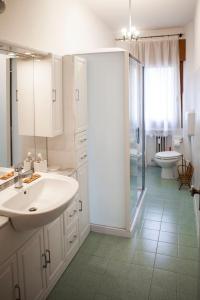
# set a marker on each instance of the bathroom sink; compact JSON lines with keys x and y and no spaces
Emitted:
{"x":38,"y":203}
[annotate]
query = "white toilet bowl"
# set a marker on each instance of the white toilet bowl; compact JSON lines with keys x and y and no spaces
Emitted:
{"x":167,"y":160}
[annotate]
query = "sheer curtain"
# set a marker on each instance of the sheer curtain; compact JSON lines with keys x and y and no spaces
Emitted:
{"x":162,"y":83}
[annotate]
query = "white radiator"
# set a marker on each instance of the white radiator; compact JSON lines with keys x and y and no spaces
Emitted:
{"x":161,"y":143}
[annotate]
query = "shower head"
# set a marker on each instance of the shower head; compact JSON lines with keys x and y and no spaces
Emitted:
{"x":2,"y":6}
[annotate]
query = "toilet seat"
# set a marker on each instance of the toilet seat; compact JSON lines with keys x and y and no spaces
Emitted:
{"x":168,"y":155}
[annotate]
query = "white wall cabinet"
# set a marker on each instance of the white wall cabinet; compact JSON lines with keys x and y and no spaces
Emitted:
{"x":9,"y":285}
{"x":39,"y":96}
{"x":25,"y":97}
{"x":48,"y":96}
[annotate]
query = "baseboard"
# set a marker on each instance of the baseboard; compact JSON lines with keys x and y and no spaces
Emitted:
{"x":110,"y":230}
{"x":197,"y":213}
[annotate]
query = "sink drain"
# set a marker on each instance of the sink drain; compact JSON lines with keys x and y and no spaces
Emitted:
{"x":32,"y":209}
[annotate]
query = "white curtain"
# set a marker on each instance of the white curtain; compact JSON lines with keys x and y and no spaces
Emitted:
{"x":162,"y":83}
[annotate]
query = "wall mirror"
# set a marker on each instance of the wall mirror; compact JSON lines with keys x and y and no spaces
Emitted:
{"x":17,"y":107}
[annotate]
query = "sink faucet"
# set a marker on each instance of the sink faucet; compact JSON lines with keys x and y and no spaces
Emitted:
{"x":21,"y":175}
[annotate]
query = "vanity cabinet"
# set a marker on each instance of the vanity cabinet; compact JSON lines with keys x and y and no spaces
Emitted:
{"x":54,"y":249}
{"x":36,"y":265}
{"x":84,"y":222}
{"x":9,"y":285}
{"x":32,"y":266}
{"x":76,"y":135}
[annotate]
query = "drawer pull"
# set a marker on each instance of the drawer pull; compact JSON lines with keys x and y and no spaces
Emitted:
{"x":17,"y":288}
{"x":48,"y":260}
{"x":83,"y":140}
{"x":71,"y":242}
{"x":45,"y":261}
{"x":81,"y":209}
{"x":75,"y":236}
{"x":84,"y":156}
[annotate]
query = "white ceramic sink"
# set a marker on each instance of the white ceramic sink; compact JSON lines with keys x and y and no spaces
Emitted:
{"x":38,"y":203}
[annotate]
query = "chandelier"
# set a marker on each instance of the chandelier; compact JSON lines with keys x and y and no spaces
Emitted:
{"x":132,"y":32}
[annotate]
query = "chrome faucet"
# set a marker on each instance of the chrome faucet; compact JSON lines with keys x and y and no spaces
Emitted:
{"x":21,"y":175}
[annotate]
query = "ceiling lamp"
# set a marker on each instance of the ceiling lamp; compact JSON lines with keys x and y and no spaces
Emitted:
{"x":2,"y":6}
{"x":130,"y":33}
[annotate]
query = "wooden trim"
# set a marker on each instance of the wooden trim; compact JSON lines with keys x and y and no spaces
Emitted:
{"x":182,"y":57}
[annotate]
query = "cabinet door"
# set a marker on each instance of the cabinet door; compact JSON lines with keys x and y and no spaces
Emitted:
{"x":57,"y":108}
{"x":54,"y":249}
{"x":80,"y":86}
{"x":48,"y":96}
{"x":9,"y":288}
{"x":25,"y":97}
{"x":32,"y":268}
{"x":84,"y":224}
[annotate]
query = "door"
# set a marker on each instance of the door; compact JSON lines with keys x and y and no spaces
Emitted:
{"x":84,"y":224}
{"x":80,"y":79}
{"x":32,"y":267}
{"x":137,"y":141}
{"x":9,"y":287}
{"x":54,"y":249}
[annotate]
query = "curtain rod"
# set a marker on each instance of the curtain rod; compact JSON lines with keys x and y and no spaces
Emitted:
{"x":180,"y":35}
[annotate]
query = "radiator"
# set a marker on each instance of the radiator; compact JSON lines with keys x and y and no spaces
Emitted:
{"x":161,"y":143}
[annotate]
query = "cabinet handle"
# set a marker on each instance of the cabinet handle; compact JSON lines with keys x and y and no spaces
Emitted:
{"x":81,"y":202}
{"x":18,"y":292}
{"x":16,"y":96}
{"x":45,"y":261}
{"x":71,"y":242}
{"x":54,"y":98}
{"x":83,"y":140}
{"x":77,"y":96}
{"x":48,"y":260}
{"x":75,"y":236}
{"x":84,"y":156}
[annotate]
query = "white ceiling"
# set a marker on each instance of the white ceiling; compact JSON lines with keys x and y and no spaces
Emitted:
{"x":147,"y":14}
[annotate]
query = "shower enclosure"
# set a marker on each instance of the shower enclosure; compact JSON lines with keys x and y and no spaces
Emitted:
{"x":115,"y":140}
{"x":137,"y":133}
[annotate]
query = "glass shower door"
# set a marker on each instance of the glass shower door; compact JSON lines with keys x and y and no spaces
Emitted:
{"x":137,"y":141}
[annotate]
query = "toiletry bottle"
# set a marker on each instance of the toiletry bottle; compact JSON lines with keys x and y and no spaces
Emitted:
{"x":28,"y":162}
{"x":40,"y":165}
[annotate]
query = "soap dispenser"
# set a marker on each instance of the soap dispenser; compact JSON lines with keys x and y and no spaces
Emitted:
{"x":28,"y":162}
{"x":40,"y":165}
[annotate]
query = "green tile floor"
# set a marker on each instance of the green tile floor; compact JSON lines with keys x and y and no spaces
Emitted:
{"x":160,"y":262}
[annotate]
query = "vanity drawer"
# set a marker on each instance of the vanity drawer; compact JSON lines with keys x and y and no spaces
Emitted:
{"x":81,"y":156}
{"x":72,"y":238}
{"x":81,"y":140}
{"x":71,"y":214}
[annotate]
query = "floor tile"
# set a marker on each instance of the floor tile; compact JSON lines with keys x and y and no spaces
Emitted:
{"x":146,"y":245}
{"x":189,"y":253}
{"x":149,"y":234}
{"x":168,"y":237}
{"x":151,"y":225}
{"x":161,"y":261}
{"x":169,"y":227}
{"x":144,"y":258}
{"x":167,"y":249}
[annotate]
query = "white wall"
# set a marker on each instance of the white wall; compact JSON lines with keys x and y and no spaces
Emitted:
{"x":61,"y":26}
{"x":192,"y":92}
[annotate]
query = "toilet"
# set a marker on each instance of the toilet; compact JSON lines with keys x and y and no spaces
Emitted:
{"x":168,"y":160}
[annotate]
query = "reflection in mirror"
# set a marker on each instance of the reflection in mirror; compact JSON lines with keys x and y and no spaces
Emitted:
{"x":17,"y":128}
